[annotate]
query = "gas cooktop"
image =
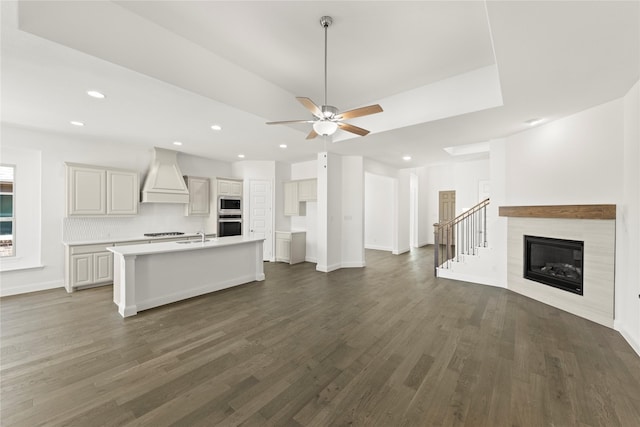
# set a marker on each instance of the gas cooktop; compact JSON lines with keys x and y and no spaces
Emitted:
{"x":168,"y":233}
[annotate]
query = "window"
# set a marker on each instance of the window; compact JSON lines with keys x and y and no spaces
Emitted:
{"x":7,"y":214}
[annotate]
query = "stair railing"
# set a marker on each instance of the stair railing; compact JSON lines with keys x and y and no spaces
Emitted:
{"x":460,"y":236}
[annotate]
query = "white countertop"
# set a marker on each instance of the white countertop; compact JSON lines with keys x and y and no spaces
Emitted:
{"x":128,"y":239}
{"x":165,"y":247}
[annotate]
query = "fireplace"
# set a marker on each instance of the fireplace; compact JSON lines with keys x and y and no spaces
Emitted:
{"x":554,"y":262}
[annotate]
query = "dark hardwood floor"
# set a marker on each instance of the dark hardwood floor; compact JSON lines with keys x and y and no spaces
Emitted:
{"x":385,"y":345}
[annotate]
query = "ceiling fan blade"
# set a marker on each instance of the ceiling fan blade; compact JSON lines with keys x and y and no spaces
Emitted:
{"x":359,"y":112}
{"x":312,"y":134}
{"x":311,"y":106}
{"x":290,"y":121}
{"x":352,"y":129}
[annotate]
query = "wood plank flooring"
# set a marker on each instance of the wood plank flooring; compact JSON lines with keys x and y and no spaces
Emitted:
{"x":385,"y":345}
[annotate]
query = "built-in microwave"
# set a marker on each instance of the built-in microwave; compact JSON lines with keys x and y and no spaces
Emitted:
{"x":229,"y":205}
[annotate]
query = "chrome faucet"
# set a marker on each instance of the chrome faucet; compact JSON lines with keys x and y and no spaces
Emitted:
{"x":201,"y":233}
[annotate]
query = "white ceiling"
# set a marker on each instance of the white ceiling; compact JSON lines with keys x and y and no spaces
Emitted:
{"x":446,"y":73}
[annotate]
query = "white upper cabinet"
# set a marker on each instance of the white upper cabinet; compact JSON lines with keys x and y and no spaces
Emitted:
{"x":199,"y":200}
{"x":96,"y":191}
{"x":292,"y":205}
{"x":228,"y":187}
{"x":122,"y":192}
{"x":296,"y":193}
{"x":308,"y":190}
{"x":86,"y":190}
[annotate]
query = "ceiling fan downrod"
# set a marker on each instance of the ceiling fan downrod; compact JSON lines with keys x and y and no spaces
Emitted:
{"x":325,"y":21}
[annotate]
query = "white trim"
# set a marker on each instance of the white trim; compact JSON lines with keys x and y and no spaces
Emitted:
{"x":619,"y":326}
{"x":379,"y":248}
{"x":311,"y":259}
{"x":400,"y":251}
{"x":32,"y":288}
{"x":448,"y":274}
{"x":327,"y":268}
{"x":18,"y":267}
{"x":353,"y":264}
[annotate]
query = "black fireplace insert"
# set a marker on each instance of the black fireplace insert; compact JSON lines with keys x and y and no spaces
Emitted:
{"x":554,"y":262}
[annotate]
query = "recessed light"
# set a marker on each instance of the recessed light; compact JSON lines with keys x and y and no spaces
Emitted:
{"x":95,"y":94}
{"x":283,"y":145}
{"x":177,"y":143}
{"x":76,"y":123}
{"x":216,"y":127}
{"x":241,"y":156}
{"x":406,"y":158}
{"x":533,"y":122}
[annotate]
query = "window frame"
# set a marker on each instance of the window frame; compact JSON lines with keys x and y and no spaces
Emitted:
{"x":12,"y":218}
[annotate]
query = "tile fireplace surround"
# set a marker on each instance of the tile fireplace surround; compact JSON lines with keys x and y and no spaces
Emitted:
{"x":593,"y":224}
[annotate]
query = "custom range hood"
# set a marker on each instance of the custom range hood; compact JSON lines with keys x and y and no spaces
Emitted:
{"x":164,"y":182}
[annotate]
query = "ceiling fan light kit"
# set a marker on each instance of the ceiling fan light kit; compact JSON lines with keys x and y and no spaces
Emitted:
{"x":327,"y":119}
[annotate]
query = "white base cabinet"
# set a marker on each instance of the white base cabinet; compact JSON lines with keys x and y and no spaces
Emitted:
{"x":291,"y":246}
{"x":88,"y":265}
{"x":92,"y":264}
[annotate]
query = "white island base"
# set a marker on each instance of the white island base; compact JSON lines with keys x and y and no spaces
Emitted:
{"x":151,"y":275}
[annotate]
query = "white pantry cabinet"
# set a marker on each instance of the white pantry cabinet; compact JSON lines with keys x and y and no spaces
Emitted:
{"x":199,"y":199}
{"x":291,"y":246}
{"x":99,"y":191}
{"x":229,"y":187}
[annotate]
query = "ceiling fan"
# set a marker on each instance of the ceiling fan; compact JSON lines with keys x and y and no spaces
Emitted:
{"x":327,"y":119}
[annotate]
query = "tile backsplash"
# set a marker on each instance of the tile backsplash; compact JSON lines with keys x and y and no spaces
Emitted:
{"x":152,"y":217}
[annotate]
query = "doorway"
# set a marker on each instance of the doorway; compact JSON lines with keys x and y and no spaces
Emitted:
{"x":261,"y":214}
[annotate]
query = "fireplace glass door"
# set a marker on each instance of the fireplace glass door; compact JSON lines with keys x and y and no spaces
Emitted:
{"x":554,"y":262}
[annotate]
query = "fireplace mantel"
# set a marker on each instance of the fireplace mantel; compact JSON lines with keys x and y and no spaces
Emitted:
{"x":560,"y":211}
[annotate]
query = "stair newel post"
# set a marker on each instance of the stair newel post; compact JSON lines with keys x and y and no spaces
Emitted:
{"x":435,"y":249}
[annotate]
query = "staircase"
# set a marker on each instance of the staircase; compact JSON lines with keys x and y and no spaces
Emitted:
{"x":461,"y":250}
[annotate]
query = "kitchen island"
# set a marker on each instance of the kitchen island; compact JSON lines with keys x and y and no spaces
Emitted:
{"x":151,"y":275}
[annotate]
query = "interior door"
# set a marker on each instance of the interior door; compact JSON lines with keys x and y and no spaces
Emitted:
{"x":447,"y":206}
{"x":447,"y":203}
{"x":261,"y":214}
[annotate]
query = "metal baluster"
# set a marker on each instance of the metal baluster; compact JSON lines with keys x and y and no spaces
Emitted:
{"x":485,"y":225}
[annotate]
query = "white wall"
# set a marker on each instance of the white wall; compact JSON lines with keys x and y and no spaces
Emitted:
{"x":574,"y":160}
{"x":627,"y":302}
{"x":309,"y":222}
{"x":352,"y":212}
{"x":378,"y":211}
{"x":55,"y":149}
{"x":401,"y":214}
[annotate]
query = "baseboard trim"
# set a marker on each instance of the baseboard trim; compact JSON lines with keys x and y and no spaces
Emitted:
{"x":400,"y":251}
{"x":31,"y":288}
{"x":635,"y":345}
{"x":378,"y":248}
{"x":354,"y":264}
{"x":327,"y":268}
{"x":448,"y":274}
